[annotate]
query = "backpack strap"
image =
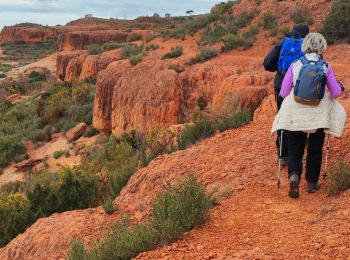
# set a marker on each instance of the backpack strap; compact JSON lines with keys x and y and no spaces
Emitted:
{"x":304,"y":60}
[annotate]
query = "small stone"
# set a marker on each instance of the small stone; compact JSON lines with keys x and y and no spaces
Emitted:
{"x":200,"y":247}
{"x":318,"y":246}
{"x":239,"y":188}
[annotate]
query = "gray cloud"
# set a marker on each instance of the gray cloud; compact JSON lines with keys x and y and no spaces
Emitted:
{"x":54,"y":12}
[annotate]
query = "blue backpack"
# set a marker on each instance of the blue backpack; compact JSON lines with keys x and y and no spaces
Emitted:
{"x":311,"y":83}
{"x":290,"y":52}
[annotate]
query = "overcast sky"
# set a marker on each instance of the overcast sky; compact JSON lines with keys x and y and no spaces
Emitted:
{"x":52,"y":12}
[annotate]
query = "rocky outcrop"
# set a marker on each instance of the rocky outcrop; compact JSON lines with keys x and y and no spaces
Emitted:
{"x":79,"y":40}
{"x":76,"y":132}
{"x":28,"y":35}
{"x":149,"y":96}
{"x":80,"y":66}
{"x":49,"y":238}
{"x":62,"y":62}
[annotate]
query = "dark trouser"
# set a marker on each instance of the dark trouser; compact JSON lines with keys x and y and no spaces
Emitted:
{"x":284,"y":150}
{"x":296,"y":144}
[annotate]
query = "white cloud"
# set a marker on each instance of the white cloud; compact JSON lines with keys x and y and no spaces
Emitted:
{"x":54,"y":12}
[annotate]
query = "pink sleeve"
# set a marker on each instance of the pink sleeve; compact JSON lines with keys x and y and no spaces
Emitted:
{"x":287,"y":83}
{"x":332,"y":84}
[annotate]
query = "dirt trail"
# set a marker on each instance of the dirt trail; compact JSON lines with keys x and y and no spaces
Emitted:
{"x":257,"y":220}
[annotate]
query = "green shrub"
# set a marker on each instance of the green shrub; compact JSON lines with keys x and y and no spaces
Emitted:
{"x":269,"y":21}
{"x":204,"y":55}
{"x":151,"y":37}
{"x":176,"y":67}
{"x":175,"y":211}
{"x":336,"y":26}
{"x":340,"y":178}
{"x":111,"y":46}
{"x":5,"y":67}
{"x":131,"y":50}
{"x":224,"y":7}
{"x":231,"y":42}
{"x":175,"y":52}
{"x":108,"y":206}
{"x":90,"y":132}
{"x":179,"y":33}
{"x":66,"y":153}
{"x":135,"y":37}
{"x":58,"y":154}
{"x":94,"y":49}
{"x":2,"y":75}
{"x":36,"y":77}
{"x":299,"y":16}
{"x":10,"y":148}
{"x":152,"y":47}
{"x":15,"y":216}
{"x":119,"y":178}
{"x":12,"y":188}
{"x":67,"y":190}
{"x":134,"y":60}
{"x":196,"y":132}
{"x":236,"y":120}
{"x":27,"y":53}
{"x":179,"y":209}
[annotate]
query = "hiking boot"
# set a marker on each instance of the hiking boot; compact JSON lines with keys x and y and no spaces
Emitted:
{"x":312,"y":187}
{"x":294,"y":186}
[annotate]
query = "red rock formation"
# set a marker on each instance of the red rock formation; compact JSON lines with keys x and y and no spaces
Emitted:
{"x":27,"y":34}
{"x":79,"y":40}
{"x":50,"y":237}
{"x":148,"y":96}
{"x":76,"y":132}
{"x":62,"y":63}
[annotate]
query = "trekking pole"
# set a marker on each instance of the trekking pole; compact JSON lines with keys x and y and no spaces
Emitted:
{"x":326,"y":161}
{"x":280,"y":160}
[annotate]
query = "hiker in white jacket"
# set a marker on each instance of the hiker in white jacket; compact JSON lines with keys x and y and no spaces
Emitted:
{"x":304,"y":119}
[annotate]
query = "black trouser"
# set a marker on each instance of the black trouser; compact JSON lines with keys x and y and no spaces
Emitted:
{"x":284,"y":151}
{"x":296,"y":144}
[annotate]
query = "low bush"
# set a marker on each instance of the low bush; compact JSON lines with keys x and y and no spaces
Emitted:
{"x":135,"y":37}
{"x":108,"y":206}
{"x":134,"y":60}
{"x":15,"y":216}
{"x":36,"y":77}
{"x":176,"y":67}
{"x":10,"y":148}
{"x":340,"y":178}
{"x":196,"y":132}
{"x":94,"y":49}
{"x":299,"y":16}
{"x":5,"y":67}
{"x":179,"y":209}
{"x":151,"y":37}
{"x":204,"y":55}
{"x":269,"y":21}
{"x":124,"y":241}
{"x":152,"y":47}
{"x":111,"y":46}
{"x":336,"y":26}
{"x":120,"y":177}
{"x":131,"y":50}
{"x":232,"y":42}
{"x":175,"y":52}
{"x":90,"y":132}
{"x":175,"y":211}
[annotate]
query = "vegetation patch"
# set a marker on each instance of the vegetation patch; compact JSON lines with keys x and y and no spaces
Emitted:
{"x":27,"y":53}
{"x":204,"y":55}
{"x":177,"y":210}
{"x":175,"y":52}
{"x":299,"y":16}
{"x":94,"y":49}
{"x":340,"y":178}
{"x":336,"y":26}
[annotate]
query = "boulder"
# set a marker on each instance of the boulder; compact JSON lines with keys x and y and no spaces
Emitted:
{"x":39,"y":167}
{"x":76,"y":132}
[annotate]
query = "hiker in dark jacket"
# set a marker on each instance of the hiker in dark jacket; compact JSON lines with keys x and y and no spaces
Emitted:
{"x":274,"y":62}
